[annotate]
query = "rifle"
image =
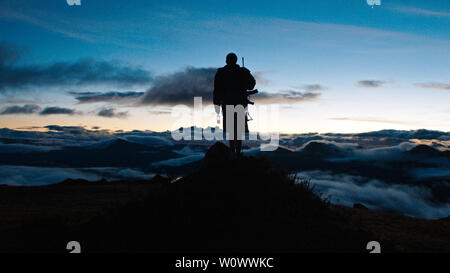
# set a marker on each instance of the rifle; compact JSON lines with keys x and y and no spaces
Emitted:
{"x":249,"y":93}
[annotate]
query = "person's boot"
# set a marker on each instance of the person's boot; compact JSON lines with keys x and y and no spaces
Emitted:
{"x":233,"y":148}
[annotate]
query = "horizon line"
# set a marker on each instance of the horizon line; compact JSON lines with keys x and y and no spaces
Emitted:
{"x":44,"y":129}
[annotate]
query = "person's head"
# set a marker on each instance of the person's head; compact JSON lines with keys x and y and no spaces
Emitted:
{"x":231,"y":59}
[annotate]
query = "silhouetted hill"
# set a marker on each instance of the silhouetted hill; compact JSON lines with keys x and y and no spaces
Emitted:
{"x":226,"y":205}
{"x":424,"y":150}
{"x":321,"y":149}
{"x":121,"y":145}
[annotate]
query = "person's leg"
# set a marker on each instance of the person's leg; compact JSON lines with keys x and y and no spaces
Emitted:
{"x":224,"y":126}
{"x":232,"y":146}
{"x":239,"y":119}
{"x":235,"y":133}
{"x":238,"y":146}
{"x":239,"y":142}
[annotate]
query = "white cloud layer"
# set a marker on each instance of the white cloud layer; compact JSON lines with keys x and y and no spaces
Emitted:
{"x":347,"y":190}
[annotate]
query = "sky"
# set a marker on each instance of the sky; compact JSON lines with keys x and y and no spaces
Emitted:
{"x":329,"y":66}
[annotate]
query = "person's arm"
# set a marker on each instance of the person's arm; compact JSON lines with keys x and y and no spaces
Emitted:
{"x":250,"y":80}
{"x":218,"y":91}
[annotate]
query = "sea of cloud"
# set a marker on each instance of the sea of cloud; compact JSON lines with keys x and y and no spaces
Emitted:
{"x":382,"y":149}
{"x":347,"y":190}
{"x":37,"y":176}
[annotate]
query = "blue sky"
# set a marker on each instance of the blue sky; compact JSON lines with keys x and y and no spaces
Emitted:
{"x":373,"y":68}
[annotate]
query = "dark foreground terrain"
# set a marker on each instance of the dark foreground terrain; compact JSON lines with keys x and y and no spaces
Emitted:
{"x":227,"y":205}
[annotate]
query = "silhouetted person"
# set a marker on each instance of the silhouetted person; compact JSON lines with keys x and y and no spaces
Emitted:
{"x":230,"y":85}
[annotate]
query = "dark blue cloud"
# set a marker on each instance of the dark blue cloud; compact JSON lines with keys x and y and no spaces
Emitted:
{"x":412,"y":134}
{"x":181,"y":88}
{"x":112,"y":97}
{"x":111,"y":113}
{"x":434,"y":85}
{"x":57,"y":111}
{"x":370,"y":83}
{"x":17,"y":109}
{"x":84,"y":72}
